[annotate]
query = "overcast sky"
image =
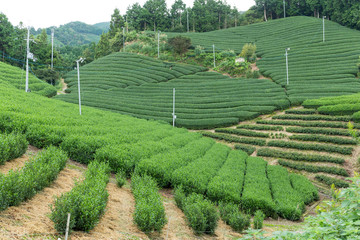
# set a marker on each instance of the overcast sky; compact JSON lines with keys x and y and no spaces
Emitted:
{"x":46,"y":13}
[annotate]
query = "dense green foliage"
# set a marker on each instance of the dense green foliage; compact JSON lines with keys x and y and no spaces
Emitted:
{"x":303,"y":186}
{"x":229,"y":138}
{"x":246,"y":148}
{"x":314,"y":168}
{"x":268,"y":152}
{"x":300,"y":111}
{"x":200,"y":213}
{"x":313,"y":117}
{"x":306,"y":124}
{"x":143,"y":87}
{"x":242,"y":132}
{"x":319,"y":138}
{"x":316,"y":69}
{"x":326,"y":131}
{"x":16,"y":77}
{"x":149,"y":212}
{"x":258,"y":219}
{"x":261,"y":127}
{"x":120,"y":178}
{"x":86,"y":202}
{"x":331,"y":180}
{"x":232,"y":216}
{"x":12,"y":146}
{"x":22,"y":184}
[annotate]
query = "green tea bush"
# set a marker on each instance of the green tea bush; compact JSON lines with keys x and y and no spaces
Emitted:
{"x":20,"y":185}
{"x":326,"y":131}
{"x":12,"y":146}
{"x":319,"y":138}
{"x":303,"y":186}
{"x":86,"y":202}
{"x":313,"y":117}
{"x":43,"y":136}
{"x":314,"y":168}
{"x":296,"y":156}
{"x":120,"y":178}
{"x":301,"y":111}
{"x":200,"y":213}
{"x":227,"y":184}
{"x":248,"y":149}
{"x":258,"y":219}
{"x":306,"y":124}
{"x":242,"y":132}
{"x":262,"y":127}
{"x":231,"y":215}
{"x":331,"y":180}
{"x":149,"y":212}
{"x":229,"y":138}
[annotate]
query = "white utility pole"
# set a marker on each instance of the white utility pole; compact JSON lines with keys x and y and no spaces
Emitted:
{"x":324,"y":28}
{"x":187,"y":17}
{"x":173,"y":113}
{"x":214,"y":55}
{"x":287,"y":66}
{"x":159,"y":44}
{"x":123,"y":39}
{"x":27,"y":60}
{"x":78,"y":70}
{"x":52,"y":48}
{"x":284,"y":9}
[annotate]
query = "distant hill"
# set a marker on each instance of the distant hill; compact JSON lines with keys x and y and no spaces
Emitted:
{"x":76,"y":33}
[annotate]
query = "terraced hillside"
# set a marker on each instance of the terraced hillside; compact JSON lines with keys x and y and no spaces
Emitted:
{"x":301,"y":140}
{"x":143,"y":87}
{"x":113,"y":142}
{"x":16,"y":77}
{"x":316,"y":68}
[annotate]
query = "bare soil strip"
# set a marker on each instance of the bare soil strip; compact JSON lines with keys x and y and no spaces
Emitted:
{"x":19,"y":162}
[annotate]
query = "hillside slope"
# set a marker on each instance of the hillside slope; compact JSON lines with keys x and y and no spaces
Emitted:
{"x":143,"y":87}
{"x":316,"y":68}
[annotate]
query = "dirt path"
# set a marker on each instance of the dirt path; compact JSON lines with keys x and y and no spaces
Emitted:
{"x":64,"y":86}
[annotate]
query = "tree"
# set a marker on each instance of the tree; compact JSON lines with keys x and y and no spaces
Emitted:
{"x":157,"y":12}
{"x":180,"y":44}
{"x":103,"y":47}
{"x":6,"y":35}
{"x":176,"y":11}
{"x":116,"y":23}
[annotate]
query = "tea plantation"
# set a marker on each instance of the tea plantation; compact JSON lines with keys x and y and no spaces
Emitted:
{"x":316,"y":68}
{"x":143,"y":87}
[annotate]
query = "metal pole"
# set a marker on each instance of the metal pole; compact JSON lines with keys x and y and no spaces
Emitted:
{"x":52,"y":48}
{"x":78,"y":70}
{"x":158,"y":44}
{"x":214,"y":55}
{"x":287,"y":66}
{"x":173,"y":114}
{"x":27,"y":60}
{"x":187,"y":16}
{"x":67,"y":227}
{"x":324,"y":28}
{"x":284,"y":9}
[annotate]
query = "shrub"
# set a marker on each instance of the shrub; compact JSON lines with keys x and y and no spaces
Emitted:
{"x":248,"y":52}
{"x":242,"y":132}
{"x":330,"y":180}
{"x":248,"y":149}
{"x":303,"y":186}
{"x":120,"y":178}
{"x":86,"y":201}
{"x":20,"y":185}
{"x":258,"y":219}
{"x":12,"y":146}
{"x":149,"y":212}
{"x":180,"y":44}
{"x":229,"y":138}
{"x":232,"y":216}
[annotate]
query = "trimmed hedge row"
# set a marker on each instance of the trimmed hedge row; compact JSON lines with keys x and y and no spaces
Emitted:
{"x":314,"y":168}
{"x":289,"y":203}
{"x":196,"y":175}
{"x":242,"y":132}
{"x":228,"y":138}
{"x":256,"y":191}
{"x":161,"y":166}
{"x":340,"y":109}
{"x":202,"y":216}
{"x":20,"y":185}
{"x":12,"y":146}
{"x":326,"y":131}
{"x":86,"y":201}
{"x":227,"y":184}
{"x":268,"y":152}
{"x":231,"y":215}
{"x":262,"y":127}
{"x":311,"y":146}
{"x":307,"y":124}
{"x":248,"y":149}
{"x":304,"y":187}
{"x":331,"y":180}
{"x":301,"y":111}
{"x":314,"y":117}
{"x":319,"y":138}
{"x":149,"y":212}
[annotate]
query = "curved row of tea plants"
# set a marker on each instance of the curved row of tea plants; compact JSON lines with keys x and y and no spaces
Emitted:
{"x":12,"y":146}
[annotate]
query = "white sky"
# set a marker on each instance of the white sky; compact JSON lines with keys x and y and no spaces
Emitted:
{"x":46,"y":13}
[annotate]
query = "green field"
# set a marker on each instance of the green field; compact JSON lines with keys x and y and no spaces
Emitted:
{"x":172,"y":156}
{"x":316,"y":68}
{"x":143,"y":87}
